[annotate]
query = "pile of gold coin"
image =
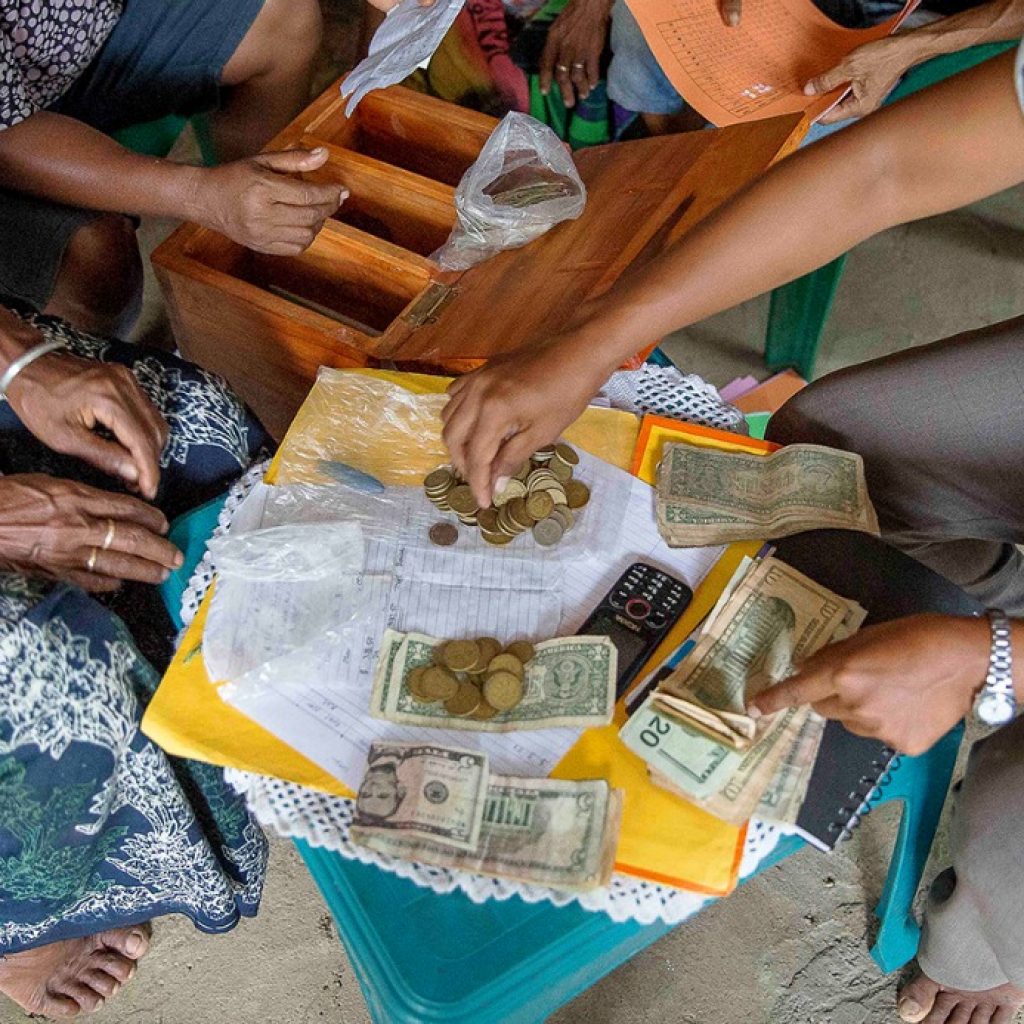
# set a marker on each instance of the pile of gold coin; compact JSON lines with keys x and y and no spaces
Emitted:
{"x":542,"y":497}
{"x":473,"y":678}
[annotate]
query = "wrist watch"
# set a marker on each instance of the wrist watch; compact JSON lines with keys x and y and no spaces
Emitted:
{"x":995,"y":703}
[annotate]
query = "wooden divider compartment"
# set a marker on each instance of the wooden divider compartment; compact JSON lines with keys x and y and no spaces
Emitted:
{"x":407,"y":130}
{"x":397,"y":206}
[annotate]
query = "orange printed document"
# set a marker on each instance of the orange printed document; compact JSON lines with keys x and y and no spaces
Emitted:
{"x":758,"y":68}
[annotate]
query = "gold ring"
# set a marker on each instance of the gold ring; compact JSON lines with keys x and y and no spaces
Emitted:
{"x":578,"y":66}
{"x":109,"y":537}
{"x":562,"y":67}
{"x":91,"y":563}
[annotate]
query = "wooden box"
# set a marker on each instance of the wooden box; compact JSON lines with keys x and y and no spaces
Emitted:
{"x":367,"y":293}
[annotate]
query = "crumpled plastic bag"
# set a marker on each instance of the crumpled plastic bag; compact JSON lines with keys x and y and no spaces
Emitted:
{"x":522,"y":184}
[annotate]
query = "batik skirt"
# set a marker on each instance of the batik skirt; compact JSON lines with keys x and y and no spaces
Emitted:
{"x":98,"y":827}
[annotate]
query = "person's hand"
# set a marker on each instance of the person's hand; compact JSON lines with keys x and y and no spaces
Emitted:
{"x":499,"y":415}
{"x":259,"y":203}
{"x":906,"y":682}
{"x":62,"y":399}
{"x":871,"y":71}
{"x":572,"y":53}
{"x":63,"y":530}
{"x":731,"y":11}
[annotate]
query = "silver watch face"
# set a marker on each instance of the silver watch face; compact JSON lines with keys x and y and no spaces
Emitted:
{"x":995,"y":709}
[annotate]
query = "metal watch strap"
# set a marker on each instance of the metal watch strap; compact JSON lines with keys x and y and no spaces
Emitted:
{"x":996,"y":703}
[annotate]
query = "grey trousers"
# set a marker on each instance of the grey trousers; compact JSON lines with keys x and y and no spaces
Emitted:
{"x":941,"y":430}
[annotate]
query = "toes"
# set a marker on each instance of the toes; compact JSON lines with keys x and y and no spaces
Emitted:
{"x":917,"y":999}
{"x":960,"y":1014}
{"x":118,"y":966}
{"x":104,"y":984}
{"x":54,"y":1005}
{"x":131,"y":942}
{"x":983,"y":1014}
{"x":945,"y":1005}
{"x":88,"y":999}
{"x":1004,"y":1015}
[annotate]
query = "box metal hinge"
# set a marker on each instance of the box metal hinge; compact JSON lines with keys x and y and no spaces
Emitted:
{"x":427,"y":308}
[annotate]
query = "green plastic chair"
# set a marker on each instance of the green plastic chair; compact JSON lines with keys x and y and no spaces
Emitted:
{"x":156,"y":138}
{"x":799,"y":310}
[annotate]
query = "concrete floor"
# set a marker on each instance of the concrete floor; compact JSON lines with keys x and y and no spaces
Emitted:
{"x":788,"y":948}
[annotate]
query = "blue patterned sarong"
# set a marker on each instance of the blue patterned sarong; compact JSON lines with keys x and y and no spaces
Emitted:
{"x":98,"y":828}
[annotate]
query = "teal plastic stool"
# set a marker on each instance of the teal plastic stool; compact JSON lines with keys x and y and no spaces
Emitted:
{"x":799,"y":310}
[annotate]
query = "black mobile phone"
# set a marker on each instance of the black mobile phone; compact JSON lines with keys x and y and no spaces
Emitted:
{"x":636,"y":614}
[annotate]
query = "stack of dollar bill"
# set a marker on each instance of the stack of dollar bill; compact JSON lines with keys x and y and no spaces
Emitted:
{"x":694,"y":731}
{"x":439,"y":805}
{"x":476,"y":685}
{"x":710,"y":497}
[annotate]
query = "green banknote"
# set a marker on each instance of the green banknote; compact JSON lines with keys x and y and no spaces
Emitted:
{"x":570,"y":681}
{"x":549,"y":832}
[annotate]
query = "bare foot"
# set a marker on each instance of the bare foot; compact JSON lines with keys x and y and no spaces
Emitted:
{"x":925,"y":1001}
{"x":76,"y":976}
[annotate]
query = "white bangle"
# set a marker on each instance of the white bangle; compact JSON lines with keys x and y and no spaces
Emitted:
{"x":26,"y":359}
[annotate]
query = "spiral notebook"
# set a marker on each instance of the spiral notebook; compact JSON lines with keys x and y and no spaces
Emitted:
{"x":849,"y":776}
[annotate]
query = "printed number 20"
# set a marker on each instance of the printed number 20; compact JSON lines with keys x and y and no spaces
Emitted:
{"x":657,"y":728}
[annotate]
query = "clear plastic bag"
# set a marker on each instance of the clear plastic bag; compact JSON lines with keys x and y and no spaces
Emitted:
{"x":522,"y":184}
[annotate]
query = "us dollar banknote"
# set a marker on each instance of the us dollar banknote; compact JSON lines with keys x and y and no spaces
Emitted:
{"x":693,"y":731}
{"x":775,"y":618}
{"x":550,"y":832}
{"x":569,"y":681}
{"x":429,"y":792}
{"x":707,"y":497}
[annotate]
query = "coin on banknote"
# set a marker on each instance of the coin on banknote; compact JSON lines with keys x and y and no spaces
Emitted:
{"x":444,"y":534}
{"x":489,"y":648}
{"x":461,"y":499}
{"x":414,"y":682}
{"x":506,"y":663}
{"x":460,"y":655}
{"x":465,"y":701}
{"x":540,"y":505}
{"x":548,"y":532}
{"x":521,"y":649}
{"x":438,"y":684}
{"x":482,"y":712}
{"x":503,"y":690}
{"x":577,"y":493}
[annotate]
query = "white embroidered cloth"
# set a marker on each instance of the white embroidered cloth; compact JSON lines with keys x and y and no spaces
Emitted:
{"x":323,"y":820}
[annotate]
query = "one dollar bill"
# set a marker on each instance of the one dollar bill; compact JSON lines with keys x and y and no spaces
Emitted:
{"x":549,"y":832}
{"x":707,"y":497}
{"x":569,"y":681}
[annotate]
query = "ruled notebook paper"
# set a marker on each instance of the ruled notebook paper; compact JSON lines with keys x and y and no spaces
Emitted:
{"x":316,"y":697}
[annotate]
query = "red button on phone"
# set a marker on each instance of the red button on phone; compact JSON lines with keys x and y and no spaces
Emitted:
{"x":638,"y":608}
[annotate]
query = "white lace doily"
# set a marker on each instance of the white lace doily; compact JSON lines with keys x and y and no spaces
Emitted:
{"x":667,"y":391}
{"x":323,"y":820}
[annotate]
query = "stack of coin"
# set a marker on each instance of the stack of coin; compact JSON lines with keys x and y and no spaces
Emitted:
{"x":475,"y":679}
{"x":541,"y":498}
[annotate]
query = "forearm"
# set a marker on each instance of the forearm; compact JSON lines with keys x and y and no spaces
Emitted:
{"x":935,"y":151}
{"x":59,"y":158}
{"x":989,"y":23}
{"x":16,"y":338}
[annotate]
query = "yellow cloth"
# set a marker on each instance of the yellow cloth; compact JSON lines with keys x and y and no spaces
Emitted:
{"x":663,"y":838}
